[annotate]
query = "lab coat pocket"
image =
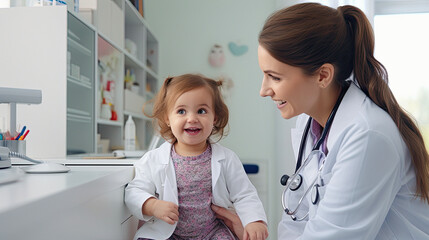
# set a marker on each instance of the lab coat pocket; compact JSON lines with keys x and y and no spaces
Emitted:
{"x":323,"y":181}
{"x":321,"y":184}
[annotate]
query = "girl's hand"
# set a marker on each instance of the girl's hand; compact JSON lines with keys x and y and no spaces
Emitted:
{"x":166,"y":211}
{"x":231,"y":220}
{"x":255,"y":231}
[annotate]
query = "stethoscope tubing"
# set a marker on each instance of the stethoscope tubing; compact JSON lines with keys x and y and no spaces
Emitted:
{"x":299,"y":167}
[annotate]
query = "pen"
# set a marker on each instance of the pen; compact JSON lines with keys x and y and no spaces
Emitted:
{"x":25,"y":135}
{"x":20,"y":134}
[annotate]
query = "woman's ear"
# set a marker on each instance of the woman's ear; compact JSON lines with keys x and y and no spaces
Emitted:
{"x":326,"y":75}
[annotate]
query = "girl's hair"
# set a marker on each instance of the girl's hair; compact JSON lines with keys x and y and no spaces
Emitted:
{"x":309,"y":35}
{"x":173,"y":88}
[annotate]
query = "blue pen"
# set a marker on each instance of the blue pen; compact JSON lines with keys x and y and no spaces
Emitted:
{"x":20,"y":134}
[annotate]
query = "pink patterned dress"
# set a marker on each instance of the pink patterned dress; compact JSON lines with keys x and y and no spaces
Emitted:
{"x":194,"y":185}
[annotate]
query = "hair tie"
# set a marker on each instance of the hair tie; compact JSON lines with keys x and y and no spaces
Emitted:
{"x":168,"y":80}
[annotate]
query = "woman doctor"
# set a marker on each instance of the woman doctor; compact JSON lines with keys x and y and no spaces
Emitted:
{"x":362,"y":167}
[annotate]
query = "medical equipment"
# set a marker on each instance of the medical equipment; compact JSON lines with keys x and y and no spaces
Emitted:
{"x":294,"y":182}
{"x":37,"y":167}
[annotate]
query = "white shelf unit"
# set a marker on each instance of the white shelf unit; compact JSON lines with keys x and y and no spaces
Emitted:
{"x":71,"y":101}
{"x":113,"y":35}
{"x":137,"y":30}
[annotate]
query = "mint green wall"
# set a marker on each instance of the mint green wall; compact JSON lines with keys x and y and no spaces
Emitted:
{"x":186,"y":30}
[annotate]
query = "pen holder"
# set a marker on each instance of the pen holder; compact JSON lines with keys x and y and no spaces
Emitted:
{"x":14,"y":145}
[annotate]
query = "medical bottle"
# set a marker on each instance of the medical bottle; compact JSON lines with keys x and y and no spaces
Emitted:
{"x":130,"y":135}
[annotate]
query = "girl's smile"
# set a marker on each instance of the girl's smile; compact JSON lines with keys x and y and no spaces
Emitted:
{"x":193,"y":131}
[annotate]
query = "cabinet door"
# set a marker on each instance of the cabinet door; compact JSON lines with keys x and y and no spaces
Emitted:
{"x":80,"y":87}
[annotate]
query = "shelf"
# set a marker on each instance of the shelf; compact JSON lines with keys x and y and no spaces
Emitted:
{"x":78,"y":118}
{"x":132,"y":16}
{"x":104,"y":37}
{"x":151,"y":72}
{"x":79,"y":82}
{"x":78,"y":112}
{"x":92,"y":27}
{"x":109,"y":122}
{"x":78,"y":46}
{"x":76,"y":115}
{"x":132,"y":61}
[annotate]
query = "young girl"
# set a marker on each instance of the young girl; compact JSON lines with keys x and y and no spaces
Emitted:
{"x":176,"y":184}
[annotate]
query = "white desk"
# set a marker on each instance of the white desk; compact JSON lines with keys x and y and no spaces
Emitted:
{"x":85,"y":203}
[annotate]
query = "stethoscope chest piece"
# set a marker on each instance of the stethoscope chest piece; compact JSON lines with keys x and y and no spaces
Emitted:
{"x":296,"y":181}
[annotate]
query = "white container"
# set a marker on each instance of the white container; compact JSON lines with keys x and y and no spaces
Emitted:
{"x":130,"y":135}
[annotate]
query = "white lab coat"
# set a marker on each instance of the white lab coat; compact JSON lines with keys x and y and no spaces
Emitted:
{"x":369,"y":180}
{"x":155,"y":177}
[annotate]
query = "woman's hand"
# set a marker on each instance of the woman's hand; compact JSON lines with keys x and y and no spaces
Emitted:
{"x":231,"y":220}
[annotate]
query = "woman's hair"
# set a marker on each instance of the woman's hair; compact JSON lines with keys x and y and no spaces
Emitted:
{"x":173,"y":88}
{"x":309,"y":35}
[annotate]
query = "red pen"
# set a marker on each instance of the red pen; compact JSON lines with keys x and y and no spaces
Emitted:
{"x":25,"y":135}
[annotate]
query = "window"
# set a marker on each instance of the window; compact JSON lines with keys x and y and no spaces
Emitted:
{"x":402,"y":46}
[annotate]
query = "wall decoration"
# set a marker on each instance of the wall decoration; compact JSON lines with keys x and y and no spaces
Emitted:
{"x":216,"y":56}
{"x":237,"y":50}
{"x":227,"y":85}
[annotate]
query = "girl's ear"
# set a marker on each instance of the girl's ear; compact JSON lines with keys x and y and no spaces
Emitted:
{"x":326,"y":75}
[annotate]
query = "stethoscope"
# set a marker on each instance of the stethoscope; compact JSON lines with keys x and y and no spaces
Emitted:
{"x":294,"y":182}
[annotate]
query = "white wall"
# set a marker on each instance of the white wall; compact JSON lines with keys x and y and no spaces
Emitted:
{"x":28,"y":61}
{"x":186,"y":30}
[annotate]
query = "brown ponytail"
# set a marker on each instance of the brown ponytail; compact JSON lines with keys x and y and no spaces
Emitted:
{"x":373,"y":80}
{"x":309,"y":35}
